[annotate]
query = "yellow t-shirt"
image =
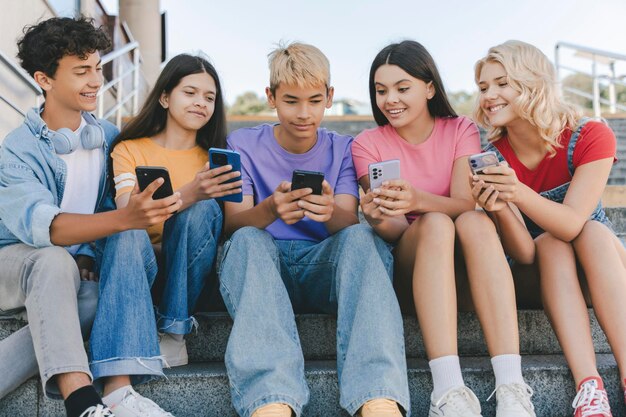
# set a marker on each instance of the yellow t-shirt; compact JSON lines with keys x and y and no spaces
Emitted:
{"x":182,"y":165}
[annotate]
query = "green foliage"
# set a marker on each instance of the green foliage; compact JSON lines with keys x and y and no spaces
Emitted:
{"x":463,"y":102}
{"x":249,"y":103}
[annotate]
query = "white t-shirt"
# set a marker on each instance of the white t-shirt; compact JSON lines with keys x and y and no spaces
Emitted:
{"x":84,"y":171}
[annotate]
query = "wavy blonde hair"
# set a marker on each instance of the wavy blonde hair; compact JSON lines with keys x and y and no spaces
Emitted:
{"x":298,"y":64}
{"x":530,"y":73}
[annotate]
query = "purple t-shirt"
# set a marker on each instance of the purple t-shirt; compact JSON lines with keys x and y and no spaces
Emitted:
{"x":265,"y":164}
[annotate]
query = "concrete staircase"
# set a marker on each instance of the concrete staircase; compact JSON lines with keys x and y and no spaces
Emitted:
{"x":201,"y":388}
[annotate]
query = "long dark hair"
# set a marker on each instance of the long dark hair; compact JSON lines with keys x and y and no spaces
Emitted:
{"x":414,"y":59}
{"x":152,"y":117}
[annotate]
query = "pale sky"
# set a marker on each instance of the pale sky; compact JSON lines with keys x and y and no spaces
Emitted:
{"x":238,"y":35}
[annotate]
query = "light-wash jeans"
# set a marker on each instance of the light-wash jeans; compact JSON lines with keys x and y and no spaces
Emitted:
{"x":124,"y":338}
{"x":348,"y":274}
{"x":46,"y":282}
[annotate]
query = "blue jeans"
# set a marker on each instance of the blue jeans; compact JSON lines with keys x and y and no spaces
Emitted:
{"x":348,"y":274}
{"x":124,"y":338}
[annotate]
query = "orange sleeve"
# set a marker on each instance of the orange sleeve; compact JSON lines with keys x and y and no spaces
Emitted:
{"x":123,"y":169}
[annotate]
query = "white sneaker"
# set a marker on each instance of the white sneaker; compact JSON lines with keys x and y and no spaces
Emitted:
{"x":458,"y":402}
{"x":134,"y":405}
{"x":514,"y":400}
{"x":174,"y":351}
{"x":97,"y":411}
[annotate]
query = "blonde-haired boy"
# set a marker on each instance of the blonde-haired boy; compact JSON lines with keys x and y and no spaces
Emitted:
{"x":305,"y":252}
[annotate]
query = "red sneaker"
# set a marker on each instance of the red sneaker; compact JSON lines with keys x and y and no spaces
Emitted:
{"x":591,"y":399}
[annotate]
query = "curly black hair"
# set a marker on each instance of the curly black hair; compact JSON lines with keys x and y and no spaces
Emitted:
{"x":45,"y":43}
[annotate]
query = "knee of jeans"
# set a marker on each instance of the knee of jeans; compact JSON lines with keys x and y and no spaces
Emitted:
{"x":199,"y":213}
{"x":129,"y":241}
{"x":56,"y":264}
{"x":251,"y":237}
{"x":357,"y":238}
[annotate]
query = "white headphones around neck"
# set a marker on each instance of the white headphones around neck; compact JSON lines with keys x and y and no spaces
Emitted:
{"x":65,"y":141}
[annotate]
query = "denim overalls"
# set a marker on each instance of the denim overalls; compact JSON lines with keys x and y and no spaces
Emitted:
{"x":557,"y":194}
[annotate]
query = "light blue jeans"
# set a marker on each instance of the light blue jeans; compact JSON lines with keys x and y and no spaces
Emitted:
{"x":348,"y":274}
{"x":46,"y":283}
{"x":124,"y":338}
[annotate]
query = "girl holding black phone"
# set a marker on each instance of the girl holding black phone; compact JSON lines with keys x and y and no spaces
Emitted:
{"x":181,"y":119}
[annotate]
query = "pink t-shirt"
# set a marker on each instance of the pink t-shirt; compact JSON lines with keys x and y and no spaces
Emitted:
{"x":428,"y":165}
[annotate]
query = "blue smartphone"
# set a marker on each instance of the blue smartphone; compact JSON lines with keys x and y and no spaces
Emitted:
{"x":220,"y":157}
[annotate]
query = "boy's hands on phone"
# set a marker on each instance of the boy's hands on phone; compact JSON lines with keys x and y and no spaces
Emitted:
{"x":284,"y":202}
{"x":142,"y":211}
{"x":211,"y":183}
{"x":319,"y":208}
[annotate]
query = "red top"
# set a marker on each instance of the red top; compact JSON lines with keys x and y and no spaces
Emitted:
{"x":596,"y":141}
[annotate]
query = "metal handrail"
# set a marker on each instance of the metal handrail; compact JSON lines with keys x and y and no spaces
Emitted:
{"x":118,"y":82}
{"x":11,"y":105}
{"x":21,"y":74}
{"x":597,"y":78}
{"x":24,"y":77}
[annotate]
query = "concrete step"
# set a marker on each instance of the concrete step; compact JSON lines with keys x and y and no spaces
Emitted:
{"x":318,"y":336}
{"x":201,"y":390}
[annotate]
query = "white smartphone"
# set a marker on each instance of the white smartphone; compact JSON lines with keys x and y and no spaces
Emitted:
{"x":383,"y":171}
{"x":483,"y":160}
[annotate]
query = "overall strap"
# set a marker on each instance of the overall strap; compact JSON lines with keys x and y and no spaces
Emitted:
{"x":572,"y":143}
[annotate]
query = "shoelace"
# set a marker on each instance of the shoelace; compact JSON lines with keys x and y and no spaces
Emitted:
{"x":592,"y":401}
{"x":147,"y":407}
{"x":462,"y":395}
{"x":97,"y":411}
{"x":513,"y":394}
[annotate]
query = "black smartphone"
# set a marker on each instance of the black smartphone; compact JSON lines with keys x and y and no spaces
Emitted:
{"x":307,"y":179}
{"x":146,"y":175}
{"x":221,"y":157}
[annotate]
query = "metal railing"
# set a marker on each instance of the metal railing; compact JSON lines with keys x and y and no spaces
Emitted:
{"x":121,"y":97}
{"x":24,"y":77}
{"x":599,"y":81}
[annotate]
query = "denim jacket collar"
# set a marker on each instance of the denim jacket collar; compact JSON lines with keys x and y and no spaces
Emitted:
{"x":40,"y":129}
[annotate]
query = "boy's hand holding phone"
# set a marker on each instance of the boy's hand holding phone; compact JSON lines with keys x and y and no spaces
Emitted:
{"x":284,"y":202}
{"x":142,"y":211}
{"x":319,"y":208}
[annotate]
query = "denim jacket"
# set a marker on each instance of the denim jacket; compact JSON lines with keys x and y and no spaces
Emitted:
{"x":32,"y":181}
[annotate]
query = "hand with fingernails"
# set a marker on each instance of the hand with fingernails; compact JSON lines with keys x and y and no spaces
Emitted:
{"x":211,"y":183}
{"x":495,"y":187}
{"x":142,"y":211}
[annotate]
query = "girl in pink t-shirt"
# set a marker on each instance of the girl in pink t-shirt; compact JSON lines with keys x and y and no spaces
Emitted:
{"x":558,"y":166}
{"x":418,"y":126}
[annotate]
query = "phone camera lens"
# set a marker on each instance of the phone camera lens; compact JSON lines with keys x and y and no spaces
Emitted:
{"x":219,"y":159}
